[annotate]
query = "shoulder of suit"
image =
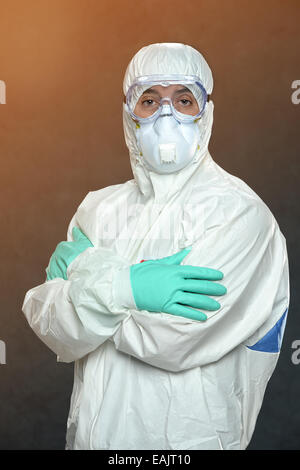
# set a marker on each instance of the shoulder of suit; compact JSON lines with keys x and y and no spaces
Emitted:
{"x":106,"y":195}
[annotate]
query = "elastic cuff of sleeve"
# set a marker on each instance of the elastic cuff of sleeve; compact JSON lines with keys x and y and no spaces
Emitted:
{"x":122,"y":291}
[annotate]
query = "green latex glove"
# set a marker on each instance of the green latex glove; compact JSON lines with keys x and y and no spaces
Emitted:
{"x":65,"y":253}
{"x":164,"y":285}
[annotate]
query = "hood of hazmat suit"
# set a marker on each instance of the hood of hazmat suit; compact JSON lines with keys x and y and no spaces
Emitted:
{"x":151,"y":380}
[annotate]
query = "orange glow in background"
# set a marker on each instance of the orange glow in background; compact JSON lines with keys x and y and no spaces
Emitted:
{"x":61,"y":136}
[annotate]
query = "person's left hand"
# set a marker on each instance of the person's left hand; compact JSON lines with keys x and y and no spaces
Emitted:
{"x":65,"y":253}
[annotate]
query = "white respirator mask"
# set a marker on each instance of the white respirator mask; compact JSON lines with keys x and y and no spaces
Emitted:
{"x":167,"y":131}
{"x":165,"y":144}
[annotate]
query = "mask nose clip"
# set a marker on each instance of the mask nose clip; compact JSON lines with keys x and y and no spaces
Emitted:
{"x":166,"y":110}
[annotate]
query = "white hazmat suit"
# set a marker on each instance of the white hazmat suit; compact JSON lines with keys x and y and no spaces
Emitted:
{"x":147,"y":380}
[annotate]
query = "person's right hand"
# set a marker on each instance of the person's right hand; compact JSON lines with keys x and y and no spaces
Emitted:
{"x":164,"y":285}
{"x":65,"y":253}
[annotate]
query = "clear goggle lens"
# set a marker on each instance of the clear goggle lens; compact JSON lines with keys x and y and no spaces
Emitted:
{"x":184,"y":94}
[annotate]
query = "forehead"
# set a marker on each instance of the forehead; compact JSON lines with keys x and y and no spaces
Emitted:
{"x":166,"y":90}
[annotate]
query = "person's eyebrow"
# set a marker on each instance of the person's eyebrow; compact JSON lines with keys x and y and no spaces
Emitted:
{"x":150,"y":90}
{"x":182,"y":89}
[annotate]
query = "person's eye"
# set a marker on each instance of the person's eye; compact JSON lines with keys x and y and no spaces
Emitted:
{"x":147,"y":102}
{"x":185,"y":102}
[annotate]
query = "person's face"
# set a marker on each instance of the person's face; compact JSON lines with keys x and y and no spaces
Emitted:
{"x":182,"y":98}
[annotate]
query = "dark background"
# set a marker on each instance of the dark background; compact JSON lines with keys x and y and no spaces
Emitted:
{"x":61,"y":136}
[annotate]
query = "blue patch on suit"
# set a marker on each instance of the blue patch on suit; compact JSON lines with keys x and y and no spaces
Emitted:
{"x":272,"y":340}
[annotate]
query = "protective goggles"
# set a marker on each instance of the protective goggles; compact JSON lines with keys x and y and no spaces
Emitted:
{"x":147,"y":96}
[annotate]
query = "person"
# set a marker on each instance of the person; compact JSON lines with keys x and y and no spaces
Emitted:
{"x":172,"y":290}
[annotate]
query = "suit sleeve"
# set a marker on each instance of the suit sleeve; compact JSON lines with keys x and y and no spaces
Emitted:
{"x":74,"y":317}
{"x":251,"y":252}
